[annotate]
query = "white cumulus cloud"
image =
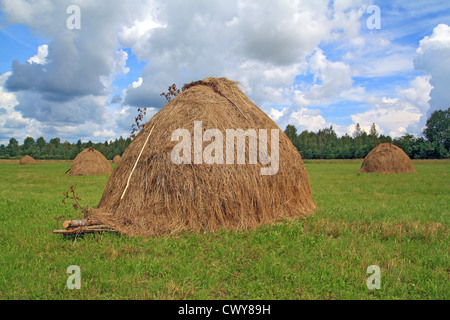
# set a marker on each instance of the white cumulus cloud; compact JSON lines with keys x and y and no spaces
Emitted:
{"x":433,"y":57}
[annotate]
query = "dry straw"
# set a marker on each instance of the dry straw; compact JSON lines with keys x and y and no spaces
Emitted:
{"x":116,"y":160}
{"x":27,"y":160}
{"x":387,"y":158}
{"x":90,"y":162}
{"x":164,"y":198}
{"x":135,"y":164}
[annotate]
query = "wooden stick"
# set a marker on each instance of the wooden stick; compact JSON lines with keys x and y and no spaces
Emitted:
{"x":235,"y":106}
{"x":135,"y":164}
{"x":78,"y":223}
{"x":98,"y":226}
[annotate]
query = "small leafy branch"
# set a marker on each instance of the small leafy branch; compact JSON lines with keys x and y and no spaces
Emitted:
{"x":70,"y":196}
{"x":173,"y":92}
{"x":138,"y":125}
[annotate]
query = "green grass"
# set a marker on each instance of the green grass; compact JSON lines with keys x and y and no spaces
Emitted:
{"x":398,"y":222}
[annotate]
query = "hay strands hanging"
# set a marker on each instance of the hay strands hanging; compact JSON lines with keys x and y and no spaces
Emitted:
{"x":82,"y":226}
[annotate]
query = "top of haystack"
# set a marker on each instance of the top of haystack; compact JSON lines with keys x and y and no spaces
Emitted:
{"x":387,"y":158}
{"x":90,"y":162}
{"x":148,"y":194}
{"x":27,"y":160}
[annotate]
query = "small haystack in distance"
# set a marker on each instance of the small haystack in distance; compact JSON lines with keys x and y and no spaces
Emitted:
{"x":148,"y":194}
{"x":90,"y":162}
{"x":116,"y":159}
{"x":387,"y":158}
{"x":27,"y":160}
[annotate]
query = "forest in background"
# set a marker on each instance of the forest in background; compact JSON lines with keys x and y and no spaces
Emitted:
{"x":57,"y":150}
{"x":324,"y":144}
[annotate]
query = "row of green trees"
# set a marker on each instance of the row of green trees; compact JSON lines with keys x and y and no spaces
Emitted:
{"x":54,"y":149}
{"x":324,"y":144}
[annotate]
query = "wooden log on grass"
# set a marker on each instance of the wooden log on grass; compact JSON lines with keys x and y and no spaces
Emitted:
{"x":80,"y":226}
{"x":84,"y":229}
{"x":78,"y":223}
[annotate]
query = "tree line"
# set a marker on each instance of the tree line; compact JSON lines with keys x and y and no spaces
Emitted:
{"x":55,"y":150}
{"x":324,"y":144}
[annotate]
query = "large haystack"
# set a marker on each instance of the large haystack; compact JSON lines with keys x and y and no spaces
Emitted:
{"x":90,"y":162}
{"x":27,"y":160}
{"x":116,"y":159}
{"x":387,"y":158}
{"x":164,"y":198}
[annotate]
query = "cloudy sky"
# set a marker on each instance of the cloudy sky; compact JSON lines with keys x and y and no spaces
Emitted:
{"x":308,"y":63}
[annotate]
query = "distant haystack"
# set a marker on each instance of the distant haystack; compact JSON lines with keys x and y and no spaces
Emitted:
{"x":27,"y":160}
{"x":90,"y":162}
{"x":387,"y":158}
{"x":116,"y":159}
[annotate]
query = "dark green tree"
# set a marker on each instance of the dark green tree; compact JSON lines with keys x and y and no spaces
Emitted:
{"x":13,"y":148}
{"x":408,"y":144}
{"x":40,"y":144}
{"x":291,"y":132}
{"x":29,"y":147}
{"x":437,"y":130}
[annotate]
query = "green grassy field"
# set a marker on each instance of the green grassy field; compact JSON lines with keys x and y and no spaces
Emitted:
{"x":397,"y":222}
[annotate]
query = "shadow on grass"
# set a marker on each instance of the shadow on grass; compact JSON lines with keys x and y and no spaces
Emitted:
{"x":91,"y":235}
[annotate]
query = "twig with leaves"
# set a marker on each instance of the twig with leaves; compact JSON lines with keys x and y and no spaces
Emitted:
{"x":139,"y":122}
{"x":173,"y":92}
{"x":83,"y":224}
{"x":70,"y":195}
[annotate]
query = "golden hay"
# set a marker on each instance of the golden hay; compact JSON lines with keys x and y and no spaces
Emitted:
{"x":387,"y":158}
{"x":90,"y":162}
{"x":165,"y":198}
{"x":116,"y":159}
{"x":27,"y":160}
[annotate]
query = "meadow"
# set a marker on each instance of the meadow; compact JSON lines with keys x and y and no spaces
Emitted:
{"x":397,"y":222}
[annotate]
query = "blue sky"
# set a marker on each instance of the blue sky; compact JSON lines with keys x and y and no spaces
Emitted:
{"x":308,"y":63}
